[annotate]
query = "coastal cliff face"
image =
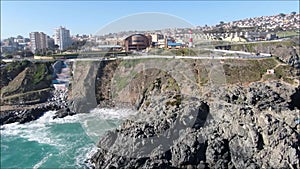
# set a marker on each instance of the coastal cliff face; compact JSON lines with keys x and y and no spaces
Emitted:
{"x":252,"y":127}
{"x":25,"y":83}
{"x":192,"y":113}
{"x":286,"y":51}
{"x":249,"y":123}
{"x":82,"y":95}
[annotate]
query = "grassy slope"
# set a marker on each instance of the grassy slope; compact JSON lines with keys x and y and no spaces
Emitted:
{"x":242,"y":71}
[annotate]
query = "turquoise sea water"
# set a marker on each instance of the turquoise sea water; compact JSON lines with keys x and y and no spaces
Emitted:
{"x":58,"y":143}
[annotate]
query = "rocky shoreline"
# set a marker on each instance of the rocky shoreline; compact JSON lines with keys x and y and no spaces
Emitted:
{"x":255,"y":125}
{"x":58,"y":101}
{"x":231,"y":127}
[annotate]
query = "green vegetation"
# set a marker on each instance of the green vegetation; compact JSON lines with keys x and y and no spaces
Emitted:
{"x":202,"y":75}
{"x":26,"y":77}
{"x":17,"y":66}
{"x":270,"y":77}
{"x":245,"y":71}
{"x":40,"y":73}
{"x":130,"y":63}
{"x":175,"y":101}
{"x":287,"y":34}
{"x":200,"y":69}
{"x":147,"y":103}
{"x":64,"y":56}
{"x":121,"y":82}
{"x":284,"y":72}
{"x":172,"y":85}
{"x":257,"y":46}
{"x":183,"y":52}
{"x":157,"y":51}
{"x":174,"y":52}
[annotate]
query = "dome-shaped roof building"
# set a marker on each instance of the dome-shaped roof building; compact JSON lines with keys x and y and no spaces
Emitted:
{"x":137,"y":42}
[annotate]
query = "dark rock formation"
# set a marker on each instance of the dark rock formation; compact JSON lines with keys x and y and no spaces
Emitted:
{"x":63,"y":113}
{"x":57,"y":101}
{"x":103,"y":83}
{"x":233,"y":127}
{"x":294,"y":59}
{"x":25,"y":115}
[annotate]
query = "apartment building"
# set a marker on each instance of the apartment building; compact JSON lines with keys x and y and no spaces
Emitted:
{"x":38,"y":41}
{"x":62,"y":38}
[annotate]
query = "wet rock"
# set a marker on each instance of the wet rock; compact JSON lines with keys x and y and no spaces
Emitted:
{"x":63,"y":113}
{"x":57,"y":101}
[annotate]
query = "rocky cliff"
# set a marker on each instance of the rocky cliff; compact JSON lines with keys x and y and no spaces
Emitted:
{"x":209,"y":123}
{"x":27,"y":92}
{"x":287,"y":50}
{"x":192,"y":113}
{"x":25,"y":83}
{"x":82,"y":96}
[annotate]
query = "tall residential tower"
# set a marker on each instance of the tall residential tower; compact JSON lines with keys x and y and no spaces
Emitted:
{"x":62,"y":38}
{"x":38,"y":41}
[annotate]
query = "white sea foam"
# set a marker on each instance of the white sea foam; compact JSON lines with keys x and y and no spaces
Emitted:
{"x":94,"y":124}
{"x":84,"y":154}
{"x":40,"y":163}
{"x":32,"y":131}
{"x":102,"y":120}
{"x":113,"y":113}
{"x":96,"y":114}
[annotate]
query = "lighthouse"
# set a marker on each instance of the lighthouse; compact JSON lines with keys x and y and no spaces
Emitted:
{"x":191,"y":39}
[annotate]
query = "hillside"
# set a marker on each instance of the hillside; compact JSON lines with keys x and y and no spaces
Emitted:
{"x":274,"y":23}
{"x":201,"y":114}
{"x":192,"y":113}
{"x":126,"y":80}
{"x":25,"y":82}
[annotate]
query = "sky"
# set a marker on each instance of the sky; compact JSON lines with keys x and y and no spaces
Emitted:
{"x":88,"y":17}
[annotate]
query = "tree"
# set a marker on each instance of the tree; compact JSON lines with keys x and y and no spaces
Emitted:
{"x":282,"y":14}
{"x":49,"y":52}
{"x":56,"y":47}
{"x":9,"y":56}
{"x":27,"y":53}
{"x":20,"y":37}
{"x":222,"y":22}
{"x":293,"y":13}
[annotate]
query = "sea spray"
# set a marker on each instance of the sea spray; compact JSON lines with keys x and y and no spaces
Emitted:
{"x":57,"y":143}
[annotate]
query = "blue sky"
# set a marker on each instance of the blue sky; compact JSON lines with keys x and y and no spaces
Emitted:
{"x":88,"y":17}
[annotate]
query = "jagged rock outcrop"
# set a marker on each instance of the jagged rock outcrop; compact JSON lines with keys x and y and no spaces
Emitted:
{"x":25,"y":115}
{"x":57,"y":101}
{"x":103,"y":83}
{"x":228,"y":127}
{"x":82,"y":98}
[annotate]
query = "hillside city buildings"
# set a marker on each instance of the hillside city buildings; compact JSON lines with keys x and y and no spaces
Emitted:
{"x":262,"y":28}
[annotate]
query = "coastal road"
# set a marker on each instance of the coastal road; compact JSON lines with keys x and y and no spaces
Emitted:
{"x":248,"y":54}
{"x":212,"y":56}
{"x":215,"y":56}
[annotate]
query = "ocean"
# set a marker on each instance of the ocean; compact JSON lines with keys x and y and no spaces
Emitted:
{"x":57,"y":143}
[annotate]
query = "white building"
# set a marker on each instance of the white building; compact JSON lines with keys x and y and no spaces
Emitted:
{"x":38,"y":41}
{"x":62,"y":38}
